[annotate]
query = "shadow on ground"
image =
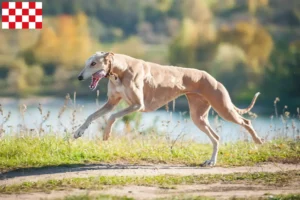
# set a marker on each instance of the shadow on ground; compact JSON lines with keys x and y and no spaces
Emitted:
{"x":36,"y":171}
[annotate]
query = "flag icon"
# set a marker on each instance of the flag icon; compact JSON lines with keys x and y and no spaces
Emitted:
{"x":22,"y":15}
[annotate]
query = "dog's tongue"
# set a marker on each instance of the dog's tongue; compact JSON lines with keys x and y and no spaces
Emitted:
{"x":96,"y":78}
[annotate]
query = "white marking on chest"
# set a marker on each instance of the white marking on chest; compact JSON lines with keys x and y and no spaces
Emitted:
{"x":120,"y":88}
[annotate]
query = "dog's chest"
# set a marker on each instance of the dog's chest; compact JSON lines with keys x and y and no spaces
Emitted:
{"x":121,"y":89}
{"x":125,"y":96}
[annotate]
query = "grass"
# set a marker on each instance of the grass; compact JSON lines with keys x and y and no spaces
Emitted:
{"x":17,"y":153}
{"x":284,"y":197}
{"x":98,"y":197}
{"x":181,"y":197}
{"x":263,"y":178}
{"x":266,"y":197}
{"x":107,"y":197}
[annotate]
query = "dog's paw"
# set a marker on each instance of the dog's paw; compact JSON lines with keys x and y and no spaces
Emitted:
{"x":209,"y":163}
{"x":78,"y":133}
{"x":259,"y":140}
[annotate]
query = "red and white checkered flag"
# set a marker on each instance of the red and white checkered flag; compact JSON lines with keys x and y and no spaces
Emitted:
{"x":22,"y":15}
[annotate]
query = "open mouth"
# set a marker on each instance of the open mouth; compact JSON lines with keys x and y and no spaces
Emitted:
{"x":96,"y":77}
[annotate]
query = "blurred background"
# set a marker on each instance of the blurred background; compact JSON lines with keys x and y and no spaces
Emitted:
{"x":248,"y":45}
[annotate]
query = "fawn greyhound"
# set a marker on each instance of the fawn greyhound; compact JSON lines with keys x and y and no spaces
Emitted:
{"x":147,"y":86}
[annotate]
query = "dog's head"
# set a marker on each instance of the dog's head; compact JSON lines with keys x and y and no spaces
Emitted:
{"x":97,"y":67}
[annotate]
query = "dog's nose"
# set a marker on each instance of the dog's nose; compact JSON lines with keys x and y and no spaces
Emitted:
{"x":80,"y":78}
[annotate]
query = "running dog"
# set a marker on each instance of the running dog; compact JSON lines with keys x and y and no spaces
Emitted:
{"x":147,"y":86}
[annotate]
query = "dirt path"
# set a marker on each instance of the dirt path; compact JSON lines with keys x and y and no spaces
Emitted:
{"x":36,"y":174}
{"x":220,"y":191}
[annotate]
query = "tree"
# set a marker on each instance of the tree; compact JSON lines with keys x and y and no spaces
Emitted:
{"x":45,"y":50}
{"x":34,"y":76}
{"x":256,"y":42}
{"x":127,"y":47}
{"x":195,"y":44}
{"x":253,"y":5}
{"x":17,"y":76}
{"x":82,"y":40}
{"x":283,"y":72}
{"x":66,"y":42}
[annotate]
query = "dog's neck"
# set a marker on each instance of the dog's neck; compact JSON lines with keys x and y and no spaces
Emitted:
{"x":114,"y":70}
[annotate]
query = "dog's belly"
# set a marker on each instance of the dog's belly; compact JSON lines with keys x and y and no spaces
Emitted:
{"x":161,"y":86}
{"x":155,"y":98}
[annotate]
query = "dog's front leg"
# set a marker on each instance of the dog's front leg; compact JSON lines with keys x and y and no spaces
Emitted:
{"x":122,"y":113}
{"x":107,"y":107}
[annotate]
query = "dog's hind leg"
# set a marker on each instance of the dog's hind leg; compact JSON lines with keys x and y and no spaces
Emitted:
{"x":222,"y":104}
{"x":248,"y":126}
{"x":232,"y":115}
{"x":199,"y":109}
{"x":246,"y":123}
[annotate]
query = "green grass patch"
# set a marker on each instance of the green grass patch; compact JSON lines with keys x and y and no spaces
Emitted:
{"x":108,"y":197}
{"x":98,"y":197}
{"x":263,"y":178}
{"x":16,"y":153}
{"x":284,"y":197}
{"x":187,"y":197}
{"x":181,"y":197}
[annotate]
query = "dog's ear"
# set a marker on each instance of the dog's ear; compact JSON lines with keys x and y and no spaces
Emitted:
{"x":108,"y":56}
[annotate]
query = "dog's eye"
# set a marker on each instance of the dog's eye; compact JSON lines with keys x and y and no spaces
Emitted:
{"x":93,"y":64}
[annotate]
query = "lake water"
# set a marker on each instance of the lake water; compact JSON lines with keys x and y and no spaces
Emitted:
{"x":173,"y":124}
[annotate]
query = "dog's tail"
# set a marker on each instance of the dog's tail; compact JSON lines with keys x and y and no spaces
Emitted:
{"x":246,"y":110}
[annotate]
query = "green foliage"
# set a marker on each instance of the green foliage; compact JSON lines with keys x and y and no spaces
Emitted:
{"x":262,"y":178}
{"x":253,"y":39}
{"x":96,"y":197}
{"x":253,"y":5}
{"x":284,"y":68}
{"x":17,"y":76}
{"x":285,"y":197}
{"x":126,"y":47}
{"x":60,"y":45}
{"x":34,"y":75}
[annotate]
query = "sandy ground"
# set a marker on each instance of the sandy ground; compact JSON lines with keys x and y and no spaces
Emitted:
{"x":220,"y":191}
{"x":36,"y":174}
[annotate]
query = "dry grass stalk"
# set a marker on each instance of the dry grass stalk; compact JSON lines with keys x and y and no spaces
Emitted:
{"x":62,"y":110}
{"x":167,"y":107}
{"x":174,"y":102}
{"x":1,"y":110}
{"x":5,"y":120}
{"x":43,"y":119}
{"x":23,"y":109}
{"x":73,"y":120}
{"x":74,"y":99}
{"x":97,"y":98}
{"x":218,"y":125}
{"x":40,"y":109}
{"x":275,"y":106}
{"x":252,"y":115}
